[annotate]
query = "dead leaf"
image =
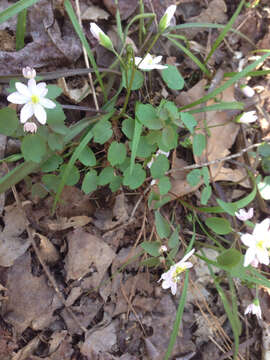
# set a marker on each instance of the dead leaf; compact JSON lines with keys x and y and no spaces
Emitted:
{"x":75,"y":95}
{"x":30,"y":298}
{"x":87,"y":253}
{"x":11,"y":244}
{"x":48,"y":251}
{"x":126,"y":8}
{"x":99,"y":341}
{"x":94,"y":13}
{"x":63,"y":223}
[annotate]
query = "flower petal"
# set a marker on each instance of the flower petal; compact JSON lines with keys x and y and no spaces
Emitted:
{"x":23,"y":89}
{"x":173,"y":288}
{"x":249,"y":257}
{"x":248,"y":240}
{"x":17,"y":98}
{"x":27,"y":111}
{"x":32,"y":86}
{"x":262,"y":227}
{"x":187,"y":256}
{"x":40,"y":113}
{"x":47,"y":103}
{"x":137,"y":60}
{"x":157,"y":59}
{"x":41,"y":89}
{"x":263,"y":257}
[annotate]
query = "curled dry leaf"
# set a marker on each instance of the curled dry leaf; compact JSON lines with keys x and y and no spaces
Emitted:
{"x":12,"y":245}
{"x":63,"y":223}
{"x":94,"y":13}
{"x":48,"y":251}
{"x":75,"y":95}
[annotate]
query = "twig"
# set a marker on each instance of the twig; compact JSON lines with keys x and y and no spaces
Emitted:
{"x":78,"y":12}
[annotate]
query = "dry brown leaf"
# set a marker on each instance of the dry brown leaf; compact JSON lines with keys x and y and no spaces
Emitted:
{"x":48,"y":251}
{"x":87,"y":252}
{"x":75,"y":95}
{"x":31,"y":302}
{"x":63,"y":223}
{"x":94,"y":13}
{"x":11,"y":244}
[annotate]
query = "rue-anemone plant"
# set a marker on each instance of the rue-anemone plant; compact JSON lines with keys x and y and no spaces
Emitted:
{"x":138,"y":157}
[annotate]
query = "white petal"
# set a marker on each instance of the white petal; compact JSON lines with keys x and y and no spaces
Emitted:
{"x":27,"y":112}
{"x":23,"y":89}
{"x":188,"y":255}
{"x":137,"y":60}
{"x":174,"y":288}
{"x":170,"y":12}
{"x":160,"y":67}
{"x":41,"y":89}
{"x":96,"y":30}
{"x":261,"y":228}
{"x":249,"y":256}
{"x":263,"y":257}
{"x":47,"y":103}
{"x":157,"y":59}
{"x":17,"y":98}
{"x":248,"y":240}
{"x":40,"y":113}
{"x":166,"y":284}
{"x":32,"y":86}
{"x":187,"y":265}
{"x":148,"y":58}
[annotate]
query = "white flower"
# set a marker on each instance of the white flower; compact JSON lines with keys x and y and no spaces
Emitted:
{"x":257,"y":244}
{"x":171,"y":277}
{"x":30,"y":127}
{"x":248,"y":91}
{"x":244,"y":215}
{"x":159,"y":152}
{"x":254,"y":308}
{"x":167,"y":17}
{"x":163,"y":249}
{"x":100,"y":35}
{"x":29,"y":73}
{"x":247,"y":117}
{"x":33,"y":98}
{"x":149,"y":63}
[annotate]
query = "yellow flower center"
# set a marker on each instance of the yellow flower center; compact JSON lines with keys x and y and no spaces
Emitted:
{"x":178,"y":272}
{"x":260,"y":245}
{"x":35,"y":99}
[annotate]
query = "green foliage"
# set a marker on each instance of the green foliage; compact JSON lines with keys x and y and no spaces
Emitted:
{"x":162,"y":226}
{"x":87,"y":157}
{"x":137,"y":80}
{"x":56,"y":142}
{"x":219,"y":225}
{"x":230,"y":258}
{"x":34,"y":148}
{"x":189,"y":121}
{"x":90,"y":182}
{"x":164,"y":185}
{"x":173,"y":78}
{"x":52,"y":163}
{"x":73,"y":174}
{"x":134,"y":179}
{"x":199,"y":144}
{"x":106,"y":176}
{"x":102,"y":131}
{"x":151,"y":247}
{"x":147,"y":115}
{"x":117,"y":153}
{"x":8,"y":121}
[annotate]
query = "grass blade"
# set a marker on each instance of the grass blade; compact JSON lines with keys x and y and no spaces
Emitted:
{"x":191,"y":56}
{"x":84,"y":42}
{"x":135,"y":143}
{"x":219,"y":107}
{"x":20,"y":29}
{"x":225,"y":31}
{"x":227,"y":84}
{"x":15,"y":9}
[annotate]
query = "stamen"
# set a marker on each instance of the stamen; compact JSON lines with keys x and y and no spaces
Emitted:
{"x":35,"y":99}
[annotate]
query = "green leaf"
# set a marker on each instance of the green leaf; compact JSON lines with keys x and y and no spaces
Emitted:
{"x":230,"y":258}
{"x":194,"y":177}
{"x":134,"y":179}
{"x":51,"y":181}
{"x":137,"y":80}
{"x":20,"y":29}
{"x":189,"y":121}
{"x":106,"y":176}
{"x":173,"y":78}
{"x":219,"y":225}
{"x":153,"y":261}
{"x":56,"y":120}
{"x":87,"y":157}
{"x":144,"y":149}
{"x":229,"y":208}
{"x":102,"y":131}
{"x":52,"y":163}
{"x":34,"y":148}
{"x":117,"y":153}
{"x":205,"y":175}
{"x":128,"y":127}
{"x":56,"y":141}
{"x":135,"y":143}
{"x":53,"y":91}
{"x":8,"y":121}
{"x":174,"y":239}
{"x":266,"y":164}
{"x":162,"y":226}
{"x":151,"y":247}
{"x":38,"y":190}
{"x":264,"y":150}
{"x":160,"y":166}
{"x":15,"y":9}
{"x":73,"y":175}
{"x":90,"y":182}
{"x":169,"y":137}
{"x":115,"y":183}
{"x":147,"y":115}
{"x":199,"y":144}
{"x":164,"y":185}
{"x":206,"y":193}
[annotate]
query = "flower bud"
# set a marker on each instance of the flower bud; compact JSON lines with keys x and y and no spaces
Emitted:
{"x":166,"y":18}
{"x":30,"y":127}
{"x":103,"y":39}
{"x":29,"y":73}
